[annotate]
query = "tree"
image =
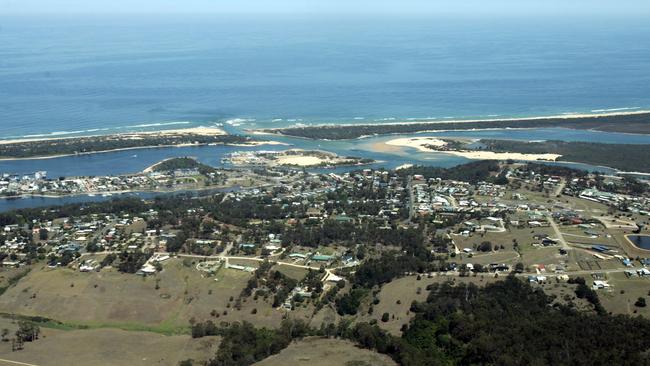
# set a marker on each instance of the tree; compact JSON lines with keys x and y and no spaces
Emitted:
{"x":485,"y":246}
{"x":27,"y":331}
{"x":5,"y":333}
{"x":16,"y":344}
{"x":108,"y":260}
{"x":640,"y":302}
{"x":385,"y":317}
{"x":519,"y":267}
{"x":350,"y":302}
{"x":175,"y":244}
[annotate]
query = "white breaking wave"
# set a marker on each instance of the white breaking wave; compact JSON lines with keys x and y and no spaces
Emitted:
{"x":93,"y":130}
{"x":239,"y":121}
{"x":422,"y":118}
{"x":55,"y":133}
{"x":615,"y":109}
{"x":58,"y":133}
{"x":158,"y":124}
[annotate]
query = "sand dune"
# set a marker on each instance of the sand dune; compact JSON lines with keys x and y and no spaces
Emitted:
{"x":422,"y":143}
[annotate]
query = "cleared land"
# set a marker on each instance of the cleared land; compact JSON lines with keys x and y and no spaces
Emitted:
{"x":624,"y":292}
{"x":326,"y":352}
{"x":107,"y":347}
{"x":115,"y":300}
{"x":395,"y":298}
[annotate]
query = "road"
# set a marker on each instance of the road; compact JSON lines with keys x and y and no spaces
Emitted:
{"x":558,"y":233}
{"x":329,"y":271}
{"x":226,"y":258}
{"x":560,"y":188}
{"x":10,"y":362}
{"x":411,"y":203}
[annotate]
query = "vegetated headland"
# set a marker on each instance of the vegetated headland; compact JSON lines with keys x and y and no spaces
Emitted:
{"x":54,"y":147}
{"x":626,"y":122}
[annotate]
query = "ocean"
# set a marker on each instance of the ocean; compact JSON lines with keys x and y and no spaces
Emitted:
{"x":72,"y":75}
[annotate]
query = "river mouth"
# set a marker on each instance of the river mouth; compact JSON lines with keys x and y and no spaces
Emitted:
{"x":640,"y":241}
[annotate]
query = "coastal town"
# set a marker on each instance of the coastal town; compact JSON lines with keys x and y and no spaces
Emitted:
{"x":304,"y":244}
{"x":38,"y":184}
{"x":544,"y":226}
{"x":176,"y":174}
{"x":324,"y":183}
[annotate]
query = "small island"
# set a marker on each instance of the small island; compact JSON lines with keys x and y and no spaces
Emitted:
{"x":294,"y":158}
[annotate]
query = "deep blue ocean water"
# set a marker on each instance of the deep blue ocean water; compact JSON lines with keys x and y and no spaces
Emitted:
{"x":107,"y":74}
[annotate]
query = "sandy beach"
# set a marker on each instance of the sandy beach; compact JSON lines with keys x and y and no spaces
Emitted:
{"x":421,"y":144}
{"x":292,"y":158}
{"x":300,"y":160}
{"x":201,"y":131}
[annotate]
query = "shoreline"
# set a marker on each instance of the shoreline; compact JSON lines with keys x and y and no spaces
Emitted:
{"x":219,"y":131}
{"x":442,"y":121}
{"x":201,"y":131}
